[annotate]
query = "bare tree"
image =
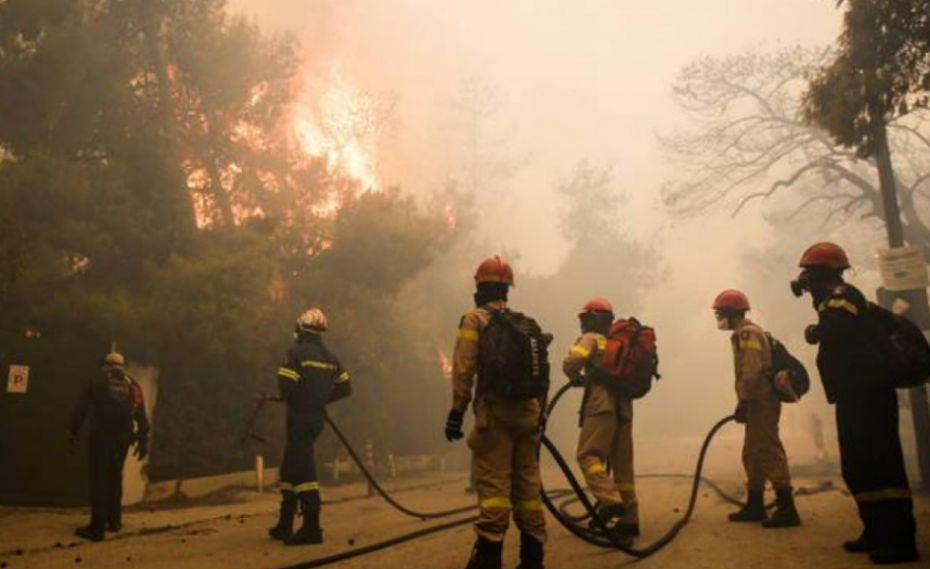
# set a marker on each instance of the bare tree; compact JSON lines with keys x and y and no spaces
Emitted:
{"x":750,"y":142}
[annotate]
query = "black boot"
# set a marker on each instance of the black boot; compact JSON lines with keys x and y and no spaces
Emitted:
{"x":753,"y":511}
{"x":786,"y":515}
{"x":285,"y":526}
{"x":531,"y":552}
{"x":89,"y":533}
{"x":896,"y":533}
{"x":486,"y":554}
{"x":862,"y":545}
{"x":868,"y":539}
{"x":310,"y":532}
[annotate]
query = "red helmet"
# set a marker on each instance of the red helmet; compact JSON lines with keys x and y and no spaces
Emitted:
{"x":824,"y":254}
{"x":597,"y":304}
{"x":494,"y":270}
{"x":731,"y":300}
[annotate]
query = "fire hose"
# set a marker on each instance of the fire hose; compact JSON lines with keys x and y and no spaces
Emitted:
{"x":600,"y":536}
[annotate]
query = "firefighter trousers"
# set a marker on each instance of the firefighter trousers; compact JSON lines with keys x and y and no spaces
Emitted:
{"x":606,"y":440}
{"x":505,"y":445}
{"x":873,"y":467}
{"x":764,"y":455}
{"x":107,"y":454}
{"x":298,"y":469}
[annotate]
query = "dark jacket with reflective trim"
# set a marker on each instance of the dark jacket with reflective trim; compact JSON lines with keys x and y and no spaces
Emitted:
{"x":850,"y":366}
{"x":311,"y":376}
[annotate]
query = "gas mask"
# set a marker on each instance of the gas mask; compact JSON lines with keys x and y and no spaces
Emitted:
{"x":801,"y":284}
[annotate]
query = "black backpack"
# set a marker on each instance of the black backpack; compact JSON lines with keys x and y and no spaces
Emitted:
{"x":118,"y":401}
{"x":513,"y":357}
{"x":782,"y":360}
{"x":901,"y":344}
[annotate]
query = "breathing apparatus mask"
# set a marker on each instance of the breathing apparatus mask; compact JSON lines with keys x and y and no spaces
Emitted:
{"x":491,"y":292}
{"x":725,"y":319}
{"x":598,"y":322}
{"x":801,"y":284}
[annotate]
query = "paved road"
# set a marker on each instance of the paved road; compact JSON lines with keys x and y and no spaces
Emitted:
{"x":233,"y":535}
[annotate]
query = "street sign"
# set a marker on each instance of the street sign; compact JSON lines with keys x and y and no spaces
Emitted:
{"x":903,"y":268}
{"x":18,"y":379}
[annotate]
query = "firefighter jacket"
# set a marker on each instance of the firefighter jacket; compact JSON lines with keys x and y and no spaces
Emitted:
{"x":116,"y":406}
{"x":310,"y":376}
{"x":465,"y":356}
{"x":580,"y":365}
{"x":847,"y":361}
{"x":752,"y":361}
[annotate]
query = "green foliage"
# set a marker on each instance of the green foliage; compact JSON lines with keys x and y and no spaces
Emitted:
{"x":882,"y":72}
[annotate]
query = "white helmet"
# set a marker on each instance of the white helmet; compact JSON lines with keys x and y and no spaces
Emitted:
{"x":115,"y":359}
{"x":313,"y":321}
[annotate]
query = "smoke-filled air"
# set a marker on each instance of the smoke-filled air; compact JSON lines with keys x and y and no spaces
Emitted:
{"x":430,"y":283}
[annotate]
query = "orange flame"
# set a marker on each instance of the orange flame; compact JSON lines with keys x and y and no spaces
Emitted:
{"x":342,"y":125}
{"x":446,"y":365}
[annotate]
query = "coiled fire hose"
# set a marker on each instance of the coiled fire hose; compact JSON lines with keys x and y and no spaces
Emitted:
{"x":603,"y":537}
{"x":600,"y":537}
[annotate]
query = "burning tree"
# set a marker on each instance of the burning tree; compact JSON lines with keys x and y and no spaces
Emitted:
{"x":162,"y":189}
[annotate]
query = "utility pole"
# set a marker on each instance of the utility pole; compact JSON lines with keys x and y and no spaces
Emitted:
{"x":919,"y":311}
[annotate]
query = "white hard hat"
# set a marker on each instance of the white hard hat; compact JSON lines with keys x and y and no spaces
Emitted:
{"x":312,"y":320}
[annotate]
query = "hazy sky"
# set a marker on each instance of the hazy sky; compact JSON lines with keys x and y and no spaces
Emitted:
{"x":580,"y":79}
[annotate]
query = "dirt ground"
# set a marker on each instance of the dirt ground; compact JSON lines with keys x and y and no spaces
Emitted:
{"x":233,"y":533}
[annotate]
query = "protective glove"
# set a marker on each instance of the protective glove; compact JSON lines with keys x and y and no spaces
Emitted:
{"x":812,"y":334}
{"x":454,"y":425}
{"x":741,"y":413}
{"x":142,"y":450}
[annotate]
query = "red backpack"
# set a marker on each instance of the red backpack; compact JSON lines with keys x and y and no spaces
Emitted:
{"x":630,"y":359}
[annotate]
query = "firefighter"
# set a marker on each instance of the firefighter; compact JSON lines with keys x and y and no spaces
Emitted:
{"x":504,"y":440}
{"x":606,"y":437}
{"x":118,"y":421}
{"x":309,"y":378}
{"x":855,"y":380}
{"x":759,"y":409}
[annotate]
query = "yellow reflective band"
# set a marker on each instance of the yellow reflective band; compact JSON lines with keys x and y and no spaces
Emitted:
{"x":882,"y":495}
{"x":289,"y":373}
{"x":750,"y":345}
{"x":596,"y":468}
{"x":287,"y":486}
{"x":581,"y":351}
{"x":840,"y":303}
{"x":468,"y":335}
{"x":602,"y":344}
{"x":529,"y":506}
{"x":343,"y":377}
{"x":496,"y":504}
{"x":316,"y":364}
{"x":307,"y":487}
{"x":626,"y":486}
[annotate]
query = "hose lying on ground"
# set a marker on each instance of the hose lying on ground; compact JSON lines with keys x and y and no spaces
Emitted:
{"x":387,"y":497}
{"x":600,"y":537}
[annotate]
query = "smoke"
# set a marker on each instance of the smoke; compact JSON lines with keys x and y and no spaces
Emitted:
{"x":563,"y":82}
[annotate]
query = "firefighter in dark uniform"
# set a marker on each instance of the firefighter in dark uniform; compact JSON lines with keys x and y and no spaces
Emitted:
{"x":855,"y":379}
{"x":116,"y":407}
{"x":309,"y":378}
